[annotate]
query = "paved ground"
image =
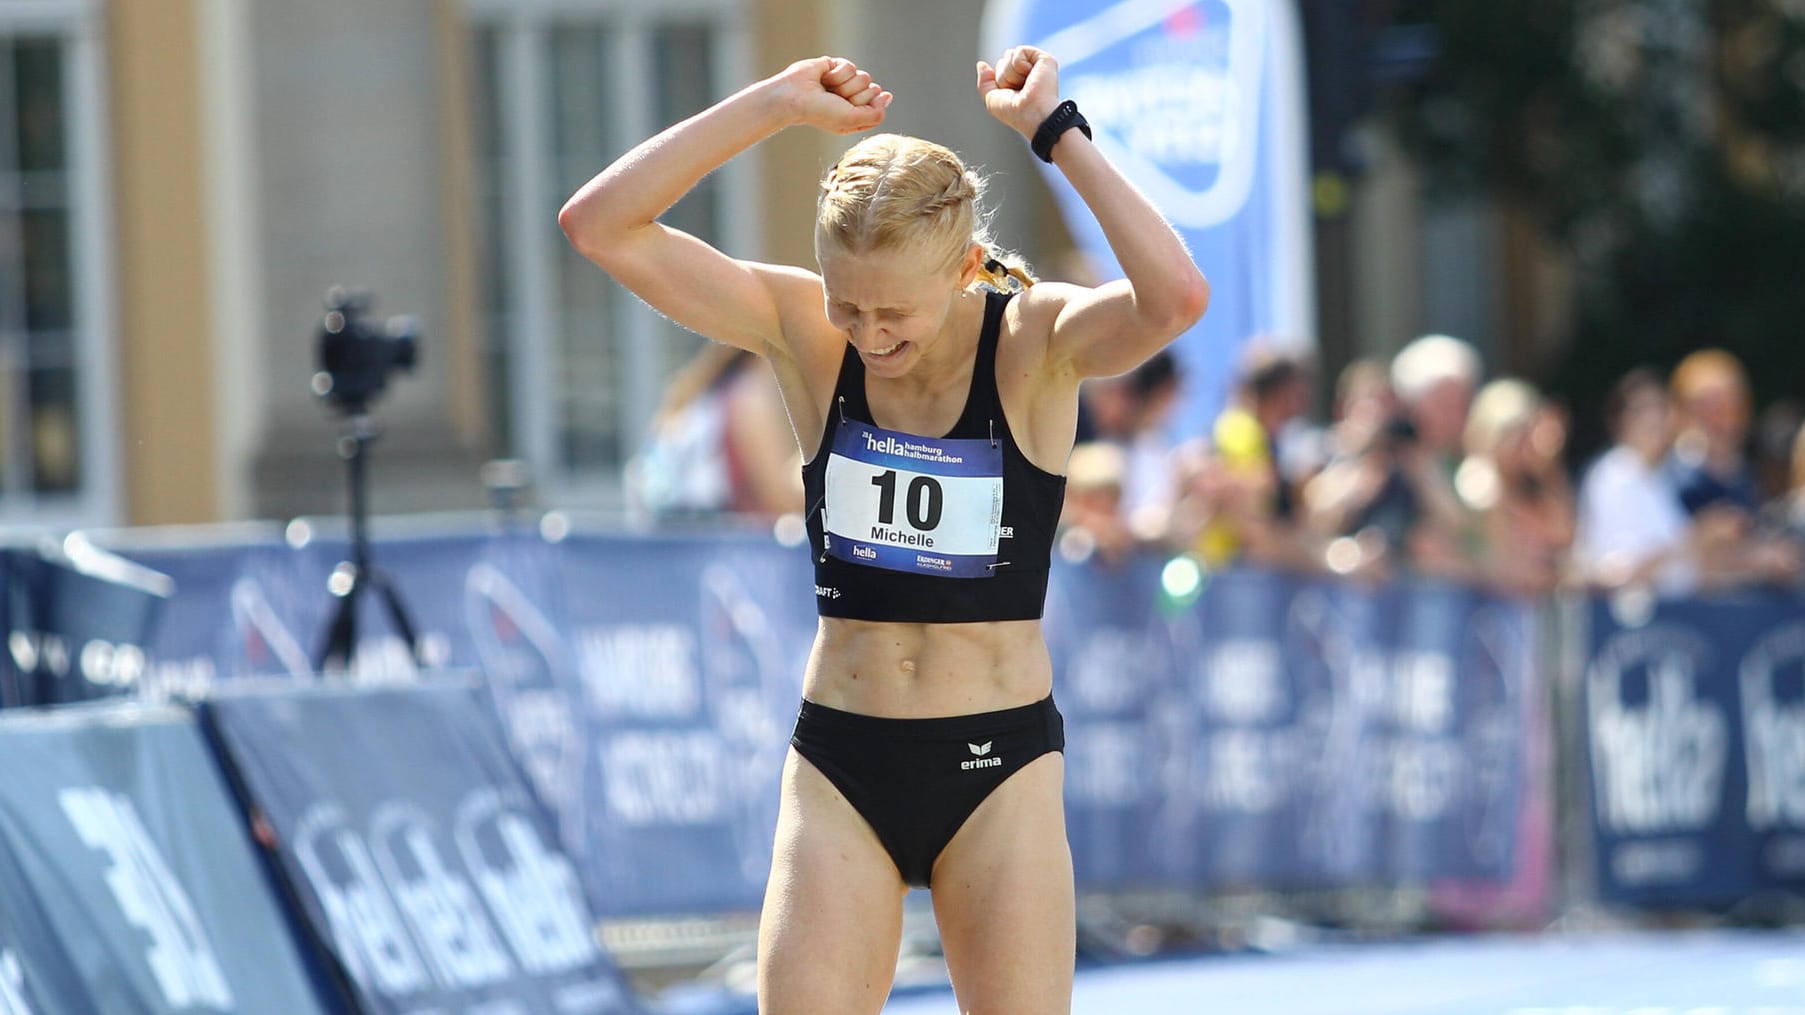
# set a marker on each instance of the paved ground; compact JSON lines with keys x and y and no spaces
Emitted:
{"x":1706,"y":973}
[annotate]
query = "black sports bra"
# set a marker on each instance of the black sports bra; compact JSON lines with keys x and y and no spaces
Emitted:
{"x":955,"y":529}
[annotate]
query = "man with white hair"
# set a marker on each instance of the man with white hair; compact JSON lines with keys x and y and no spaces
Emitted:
{"x":1434,"y":378}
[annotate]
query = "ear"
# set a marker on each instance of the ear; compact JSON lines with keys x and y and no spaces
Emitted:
{"x":969,"y":267}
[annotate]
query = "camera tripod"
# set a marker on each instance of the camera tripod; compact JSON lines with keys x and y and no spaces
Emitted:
{"x":350,"y":578}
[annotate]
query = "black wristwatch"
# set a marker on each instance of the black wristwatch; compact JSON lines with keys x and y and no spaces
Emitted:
{"x":1064,"y":117}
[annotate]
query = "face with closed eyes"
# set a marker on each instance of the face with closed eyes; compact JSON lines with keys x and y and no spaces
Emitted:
{"x":892,"y":310}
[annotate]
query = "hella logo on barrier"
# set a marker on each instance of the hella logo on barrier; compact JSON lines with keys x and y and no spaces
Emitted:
{"x":1659,"y":751}
{"x":98,"y":661}
{"x":1773,"y":721}
{"x":410,"y":908}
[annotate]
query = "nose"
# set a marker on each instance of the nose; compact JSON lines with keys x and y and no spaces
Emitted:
{"x":866,"y":330}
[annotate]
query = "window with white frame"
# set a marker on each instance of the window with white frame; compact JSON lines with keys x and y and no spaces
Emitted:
{"x":574,"y":363}
{"x":55,"y":402}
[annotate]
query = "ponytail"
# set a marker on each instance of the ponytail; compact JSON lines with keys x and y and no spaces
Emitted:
{"x":1001,"y":276}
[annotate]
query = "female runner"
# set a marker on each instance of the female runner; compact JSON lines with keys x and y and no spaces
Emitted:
{"x":934,"y":398}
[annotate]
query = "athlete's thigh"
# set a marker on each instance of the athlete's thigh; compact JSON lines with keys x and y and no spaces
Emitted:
{"x":1003,"y":899}
{"x":832,"y":921}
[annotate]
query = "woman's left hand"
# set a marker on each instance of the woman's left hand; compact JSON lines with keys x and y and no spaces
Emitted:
{"x":1022,"y":89}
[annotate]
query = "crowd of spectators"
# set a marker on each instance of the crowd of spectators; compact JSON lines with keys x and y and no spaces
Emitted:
{"x":1424,"y":468}
{"x":1428,"y":469}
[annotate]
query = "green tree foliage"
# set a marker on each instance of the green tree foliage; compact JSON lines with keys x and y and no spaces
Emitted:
{"x":1662,"y":142}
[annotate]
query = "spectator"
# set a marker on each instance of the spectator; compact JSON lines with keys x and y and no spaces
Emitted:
{"x":1092,"y":520}
{"x":1435,"y":377}
{"x":1362,"y":487}
{"x":1632,"y":528}
{"x":1709,"y":463}
{"x":1715,"y":482}
{"x":1513,"y":480}
{"x":1775,"y":428}
{"x":1786,"y":513}
{"x":1391,"y":486}
{"x":1106,"y":410}
{"x":720,"y":443}
{"x":1256,"y":506}
{"x":1364,"y":406}
{"x":1130,"y":411}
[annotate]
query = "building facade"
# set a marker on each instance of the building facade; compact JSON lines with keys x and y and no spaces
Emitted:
{"x":182,"y":180}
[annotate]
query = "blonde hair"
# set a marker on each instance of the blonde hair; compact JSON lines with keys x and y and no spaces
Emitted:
{"x":890,"y":192}
{"x":1502,"y":406}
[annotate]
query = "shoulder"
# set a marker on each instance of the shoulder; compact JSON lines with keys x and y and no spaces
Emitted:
{"x":805,"y":336}
{"x":1036,"y":309}
{"x":1029,"y":320}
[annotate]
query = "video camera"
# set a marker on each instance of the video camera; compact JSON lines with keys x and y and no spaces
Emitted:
{"x":356,"y":357}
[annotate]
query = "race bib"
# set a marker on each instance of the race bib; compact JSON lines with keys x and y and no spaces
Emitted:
{"x":909,"y":503}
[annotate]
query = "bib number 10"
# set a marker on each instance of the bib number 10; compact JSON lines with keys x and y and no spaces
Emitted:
{"x":922,"y":500}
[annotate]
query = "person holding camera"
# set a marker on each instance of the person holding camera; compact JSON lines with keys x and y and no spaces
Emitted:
{"x":934,"y":393}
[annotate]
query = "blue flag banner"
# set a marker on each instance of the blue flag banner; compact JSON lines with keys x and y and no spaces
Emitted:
{"x":1201,"y":104}
{"x":417,"y":851}
{"x":127,"y":880}
{"x":1694,"y":726}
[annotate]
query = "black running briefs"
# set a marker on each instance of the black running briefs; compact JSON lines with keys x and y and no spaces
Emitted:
{"x":915,"y":781}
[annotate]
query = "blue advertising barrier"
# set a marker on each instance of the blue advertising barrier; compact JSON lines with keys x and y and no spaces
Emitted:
{"x":246,"y":607}
{"x":646,"y":684}
{"x":127,"y":880}
{"x":1273,"y":732}
{"x":690,"y":654}
{"x":419,"y":855}
{"x":1695,"y":737}
{"x":76,"y":625}
{"x":1288,"y":734}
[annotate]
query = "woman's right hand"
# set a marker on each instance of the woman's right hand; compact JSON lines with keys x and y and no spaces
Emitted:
{"x":832,"y":93}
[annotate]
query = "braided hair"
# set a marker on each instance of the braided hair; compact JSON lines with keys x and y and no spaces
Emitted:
{"x":892,"y":192}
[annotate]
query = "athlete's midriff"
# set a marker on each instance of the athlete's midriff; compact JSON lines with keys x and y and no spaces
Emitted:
{"x":917,"y":671}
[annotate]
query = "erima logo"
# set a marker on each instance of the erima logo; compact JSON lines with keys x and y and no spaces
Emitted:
{"x":1008,"y":532}
{"x":981,"y":761}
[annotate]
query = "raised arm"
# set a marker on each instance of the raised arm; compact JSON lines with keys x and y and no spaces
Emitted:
{"x":613,"y":219}
{"x":1114,"y":327}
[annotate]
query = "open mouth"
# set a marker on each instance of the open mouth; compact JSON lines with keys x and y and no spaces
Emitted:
{"x":887,"y":352}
